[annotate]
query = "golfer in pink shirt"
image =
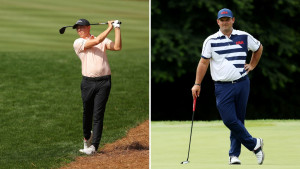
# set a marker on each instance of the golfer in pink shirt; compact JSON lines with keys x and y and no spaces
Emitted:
{"x":96,"y":78}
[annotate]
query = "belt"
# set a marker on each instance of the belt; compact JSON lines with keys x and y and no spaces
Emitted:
{"x":106,"y":77}
{"x":234,"y":81}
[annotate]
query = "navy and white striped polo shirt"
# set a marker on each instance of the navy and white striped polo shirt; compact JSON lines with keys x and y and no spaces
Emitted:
{"x":228,"y":55}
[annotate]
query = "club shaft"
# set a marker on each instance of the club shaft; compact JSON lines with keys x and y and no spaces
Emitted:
{"x":99,"y":23}
{"x":103,"y":23}
{"x":194,"y":107}
{"x":190,"y":136}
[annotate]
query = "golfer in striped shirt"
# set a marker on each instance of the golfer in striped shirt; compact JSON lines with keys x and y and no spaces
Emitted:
{"x":226,"y":52}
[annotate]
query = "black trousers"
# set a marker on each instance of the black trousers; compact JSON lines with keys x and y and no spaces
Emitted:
{"x":94,"y":93}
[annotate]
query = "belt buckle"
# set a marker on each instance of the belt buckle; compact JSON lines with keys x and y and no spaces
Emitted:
{"x":233,"y":82}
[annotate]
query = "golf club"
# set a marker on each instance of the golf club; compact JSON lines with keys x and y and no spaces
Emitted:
{"x":194,"y":107}
{"x":62,"y":30}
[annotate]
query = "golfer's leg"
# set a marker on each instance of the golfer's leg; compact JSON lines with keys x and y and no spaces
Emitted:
{"x":236,"y":126}
{"x":225,"y":100}
{"x":88,"y":104}
{"x":226,"y":107}
{"x":227,"y":110}
{"x":241,"y":100}
{"x":243,"y":89}
{"x":100,"y":101}
{"x":235,"y":145}
{"x":87,"y":119}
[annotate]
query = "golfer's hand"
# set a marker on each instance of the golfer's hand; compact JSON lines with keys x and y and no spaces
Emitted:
{"x":116,"y":24}
{"x":110,"y":24}
{"x":248,"y":67}
{"x":196,"y":91}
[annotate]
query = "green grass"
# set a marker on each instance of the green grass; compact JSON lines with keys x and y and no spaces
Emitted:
{"x":210,"y":145}
{"x":33,"y":24}
{"x":40,"y":102}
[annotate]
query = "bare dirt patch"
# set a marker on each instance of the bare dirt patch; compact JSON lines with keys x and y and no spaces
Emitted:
{"x":131,"y":152}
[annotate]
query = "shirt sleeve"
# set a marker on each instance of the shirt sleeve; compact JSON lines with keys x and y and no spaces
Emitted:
{"x":206,"y":49}
{"x":253,"y":44}
{"x":79,"y":45}
{"x":107,"y":41}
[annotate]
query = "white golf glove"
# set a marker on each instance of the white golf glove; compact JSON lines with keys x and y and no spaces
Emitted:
{"x":116,"y":24}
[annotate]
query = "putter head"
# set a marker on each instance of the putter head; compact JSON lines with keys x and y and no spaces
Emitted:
{"x":62,"y":30}
{"x":185,"y":162}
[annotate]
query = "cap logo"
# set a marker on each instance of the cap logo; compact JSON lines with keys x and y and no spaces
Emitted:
{"x":224,"y":12}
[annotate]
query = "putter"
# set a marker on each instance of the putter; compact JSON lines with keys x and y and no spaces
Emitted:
{"x":194,"y":107}
{"x":62,"y":30}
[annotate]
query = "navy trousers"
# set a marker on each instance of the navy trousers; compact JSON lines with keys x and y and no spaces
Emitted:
{"x":94,"y":93}
{"x":231,"y":99}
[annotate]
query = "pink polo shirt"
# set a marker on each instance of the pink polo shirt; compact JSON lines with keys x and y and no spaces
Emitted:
{"x":94,"y":61}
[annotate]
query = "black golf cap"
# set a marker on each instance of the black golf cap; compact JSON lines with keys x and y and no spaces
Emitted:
{"x":82,"y":22}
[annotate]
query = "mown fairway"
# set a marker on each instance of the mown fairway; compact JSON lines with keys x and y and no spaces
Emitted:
{"x":40,"y":103}
{"x":210,"y":145}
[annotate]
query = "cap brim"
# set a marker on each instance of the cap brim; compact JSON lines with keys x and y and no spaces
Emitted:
{"x":75,"y":26}
{"x":225,"y":16}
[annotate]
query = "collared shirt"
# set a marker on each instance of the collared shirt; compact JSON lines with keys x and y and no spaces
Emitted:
{"x":228,"y":55}
{"x":94,"y":62}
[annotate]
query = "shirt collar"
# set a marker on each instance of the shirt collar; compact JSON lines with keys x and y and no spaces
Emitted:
{"x":234,"y":32}
{"x":90,"y":37}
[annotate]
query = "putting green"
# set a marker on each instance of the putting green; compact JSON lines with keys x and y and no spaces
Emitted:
{"x":210,"y":145}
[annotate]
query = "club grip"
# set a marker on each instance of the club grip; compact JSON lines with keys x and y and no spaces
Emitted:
{"x":194,"y":104}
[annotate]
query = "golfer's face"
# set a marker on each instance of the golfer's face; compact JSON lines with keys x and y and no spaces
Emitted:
{"x":225,"y":23}
{"x":83,"y":31}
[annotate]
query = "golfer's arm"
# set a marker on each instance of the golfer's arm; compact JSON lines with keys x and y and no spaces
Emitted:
{"x":100,"y":38}
{"x":201,"y":70}
{"x":256,"y":57}
{"x":117,"y":44}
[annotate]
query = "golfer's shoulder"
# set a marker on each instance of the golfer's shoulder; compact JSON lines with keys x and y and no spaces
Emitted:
{"x":106,"y":40}
{"x":239,"y":32}
{"x":78,"y":41}
{"x":211,"y":37}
